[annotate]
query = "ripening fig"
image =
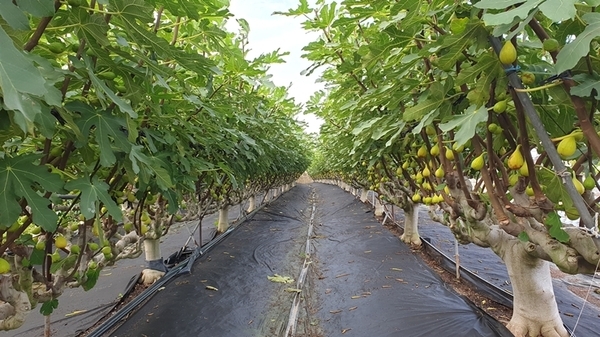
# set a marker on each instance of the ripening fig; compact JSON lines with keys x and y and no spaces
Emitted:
{"x":430,"y":130}
{"x":416,"y":197}
{"x":508,"y":53}
{"x":567,"y":147}
{"x":422,"y":152}
{"x":449,"y":154}
{"x":512,"y":180}
{"x":578,"y":185}
{"x":426,"y":172}
{"x":478,"y":163}
{"x":405,"y":165}
{"x":516,"y":160}
{"x":457,"y":148}
{"x":435,"y":150}
{"x":529,"y":191}
{"x":524,"y":170}
{"x":528,"y":78}
{"x":439,"y":172}
{"x":60,"y":242}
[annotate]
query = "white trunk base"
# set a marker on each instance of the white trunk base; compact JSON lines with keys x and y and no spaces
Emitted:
{"x":149,"y":276}
{"x":364,"y":195}
{"x":223,"y":219}
{"x":535,"y":312}
{"x":378,"y":208}
{"x":411,"y":228}
{"x":252,"y":204}
{"x":152,"y":249}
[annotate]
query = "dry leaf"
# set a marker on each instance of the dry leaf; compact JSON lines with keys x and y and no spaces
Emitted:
{"x":212,"y":288}
{"x":280,"y":279}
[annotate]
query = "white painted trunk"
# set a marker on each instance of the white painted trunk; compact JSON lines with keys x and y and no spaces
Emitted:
{"x":275,"y":193}
{"x":378,"y":208}
{"x":535,"y":312}
{"x":411,"y":228}
{"x":223,"y":219}
{"x":152,"y":249}
{"x":252,"y":204}
{"x":364,"y":195}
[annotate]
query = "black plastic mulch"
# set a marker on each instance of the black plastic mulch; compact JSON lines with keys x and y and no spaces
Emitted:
{"x":362,"y":281}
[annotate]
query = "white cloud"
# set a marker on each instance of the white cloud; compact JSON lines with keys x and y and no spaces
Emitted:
{"x":269,"y":32}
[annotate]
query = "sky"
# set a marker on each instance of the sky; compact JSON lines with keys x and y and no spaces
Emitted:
{"x":269,"y":32}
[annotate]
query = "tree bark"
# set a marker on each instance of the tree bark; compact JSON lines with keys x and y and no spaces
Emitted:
{"x":411,"y":228}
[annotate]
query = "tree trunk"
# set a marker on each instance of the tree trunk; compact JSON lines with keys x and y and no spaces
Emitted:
{"x":252,"y":204}
{"x":156,"y":268}
{"x":378,"y":208}
{"x":364,"y":195}
{"x":535,"y":312}
{"x":411,"y":228}
{"x":223,"y":219}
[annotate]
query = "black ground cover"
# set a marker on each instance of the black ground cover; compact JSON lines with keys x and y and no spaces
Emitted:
{"x":362,"y":280}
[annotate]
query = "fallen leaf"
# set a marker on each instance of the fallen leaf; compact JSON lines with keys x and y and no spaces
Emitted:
{"x":212,"y":288}
{"x":345,"y":330}
{"x":293,"y":290}
{"x":335,"y":311}
{"x":367,"y":251}
{"x":396,"y":269}
{"x":355,"y":297}
{"x":386,"y":286}
{"x":75,"y":313}
{"x":353,"y":308}
{"x":342,"y":275}
{"x":280,"y":279}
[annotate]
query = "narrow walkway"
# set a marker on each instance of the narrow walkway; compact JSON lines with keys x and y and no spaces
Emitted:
{"x":361,"y":281}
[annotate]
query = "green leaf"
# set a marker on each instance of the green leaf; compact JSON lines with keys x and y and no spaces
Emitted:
{"x":555,"y":228}
{"x":572,"y":52}
{"x":497,"y":4}
{"x":48,"y":307}
{"x":19,"y":77}
{"x":559,"y":10}
{"x":467,"y":122}
{"x":454,"y":45}
{"x":22,"y":177}
{"x":523,"y":237}
{"x":93,"y":192}
{"x":37,"y":257}
{"x":104,"y":89}
{"x":587,"y":83}
{"x":108,"y":129}
{"x":13,"y":15}
{"x":92,"y":28}
{"x":91,"y":279}
{"x":555,"y":189}
{"x":508,"y":16}
{"x":39,"y":8}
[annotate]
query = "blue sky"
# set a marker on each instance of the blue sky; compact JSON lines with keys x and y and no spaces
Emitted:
{"x":269,"y":32}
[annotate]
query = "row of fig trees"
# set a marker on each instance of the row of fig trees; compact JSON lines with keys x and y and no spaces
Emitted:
{"x":117,"y":117}
{"x":487,"y":111}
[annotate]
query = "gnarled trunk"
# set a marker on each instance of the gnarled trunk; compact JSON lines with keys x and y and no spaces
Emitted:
{"x":535,"y":312}
{"x":411,"y":228}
